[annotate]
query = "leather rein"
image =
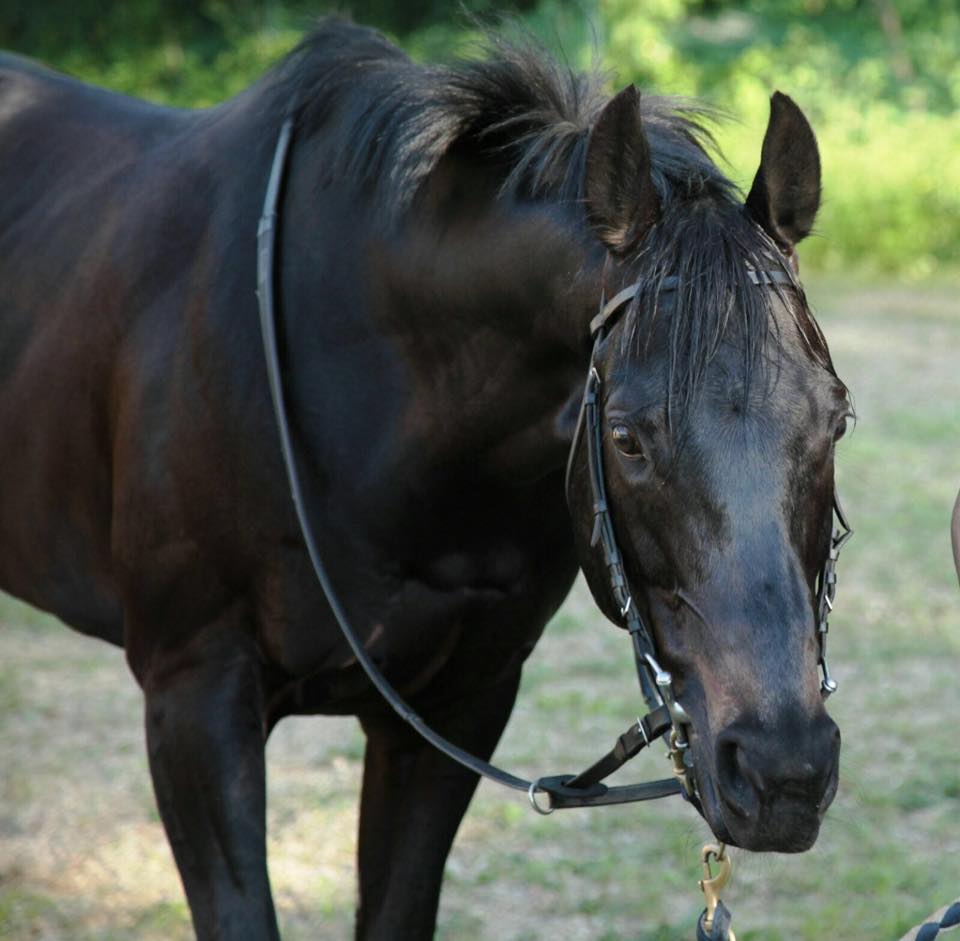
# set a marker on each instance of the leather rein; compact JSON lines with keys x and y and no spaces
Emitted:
{"x":665,"y":715}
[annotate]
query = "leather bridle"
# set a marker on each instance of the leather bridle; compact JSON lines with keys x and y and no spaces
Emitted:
{"x":665,"y":713}
{"x":656,"y":684}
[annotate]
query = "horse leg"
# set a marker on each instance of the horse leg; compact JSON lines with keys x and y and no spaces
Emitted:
{"x":412,"y":802}
{"x":205,"y":738}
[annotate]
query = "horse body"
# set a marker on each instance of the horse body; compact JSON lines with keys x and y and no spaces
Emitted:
{"x":159,"y":378}
{"x":149,"y":505}
{"x":433,"y":334}
{"x":81,"y":587}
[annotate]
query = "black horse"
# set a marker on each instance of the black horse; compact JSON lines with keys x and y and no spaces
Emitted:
{"x":446,"y":236}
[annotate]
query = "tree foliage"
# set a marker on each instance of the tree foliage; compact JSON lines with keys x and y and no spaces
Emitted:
{"x":880,"y":80}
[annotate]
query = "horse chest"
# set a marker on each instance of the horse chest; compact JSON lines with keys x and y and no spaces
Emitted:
{"x":453,"y":604}
{"x":484,"y":554}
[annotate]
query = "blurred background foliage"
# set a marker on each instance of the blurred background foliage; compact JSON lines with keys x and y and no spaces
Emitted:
{"x":879,"y":79}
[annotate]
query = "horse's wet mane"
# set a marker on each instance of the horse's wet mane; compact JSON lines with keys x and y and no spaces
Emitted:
{"x":387,"y":122}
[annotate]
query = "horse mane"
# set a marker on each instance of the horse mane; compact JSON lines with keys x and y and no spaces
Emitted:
{"x":385,"y":122}
{"x":388,"y":121}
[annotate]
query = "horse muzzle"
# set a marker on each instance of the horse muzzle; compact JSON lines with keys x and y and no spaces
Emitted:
{"x":768,"y":788}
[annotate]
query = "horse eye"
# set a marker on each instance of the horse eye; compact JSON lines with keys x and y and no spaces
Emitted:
{"x":626,"y":442}
{"x":841,"y":428}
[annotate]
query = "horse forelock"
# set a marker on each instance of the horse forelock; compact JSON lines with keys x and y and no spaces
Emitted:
{"x":711,"y":246}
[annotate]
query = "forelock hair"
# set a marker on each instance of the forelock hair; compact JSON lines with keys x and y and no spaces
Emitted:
{"x":712,"y":247}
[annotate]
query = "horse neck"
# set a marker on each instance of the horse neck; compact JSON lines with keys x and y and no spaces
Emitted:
{"x":490,"y":310}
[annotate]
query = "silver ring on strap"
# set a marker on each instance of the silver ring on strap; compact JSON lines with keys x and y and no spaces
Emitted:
{"x":532,"y":794}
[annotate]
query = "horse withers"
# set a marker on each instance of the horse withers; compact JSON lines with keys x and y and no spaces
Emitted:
{"x":445,"y":236}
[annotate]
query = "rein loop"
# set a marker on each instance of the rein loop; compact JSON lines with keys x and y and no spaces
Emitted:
{"x":588,"y":792}
{"x":665,"y":714}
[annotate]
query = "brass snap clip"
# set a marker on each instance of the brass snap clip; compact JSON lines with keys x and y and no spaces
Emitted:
{"x":712,"y":885}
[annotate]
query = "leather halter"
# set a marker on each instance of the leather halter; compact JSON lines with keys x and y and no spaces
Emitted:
{"x":584,"y":789}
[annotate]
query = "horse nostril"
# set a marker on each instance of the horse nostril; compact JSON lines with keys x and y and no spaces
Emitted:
{"x":737,"y":782}
{"x":753,"y":769}
{"x":810,"y":773}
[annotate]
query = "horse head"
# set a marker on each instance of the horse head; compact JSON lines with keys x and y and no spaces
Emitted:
{"x":719,"y":415}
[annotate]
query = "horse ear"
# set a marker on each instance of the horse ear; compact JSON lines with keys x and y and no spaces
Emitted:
{"x":785,"y":195}
{"x":621,"y":200}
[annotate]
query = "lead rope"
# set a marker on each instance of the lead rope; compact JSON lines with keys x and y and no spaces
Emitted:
{"x":948,"y":920}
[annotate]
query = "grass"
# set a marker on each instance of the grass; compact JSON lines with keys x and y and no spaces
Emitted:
{"x":83,"y":857}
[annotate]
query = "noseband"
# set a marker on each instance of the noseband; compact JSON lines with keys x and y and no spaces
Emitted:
{"x":665,"y":713}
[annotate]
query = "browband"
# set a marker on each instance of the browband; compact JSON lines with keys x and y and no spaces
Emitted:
{"x":671,"y":283}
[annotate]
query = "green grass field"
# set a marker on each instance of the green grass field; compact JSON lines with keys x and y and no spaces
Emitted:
{"x":83,"y":857}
